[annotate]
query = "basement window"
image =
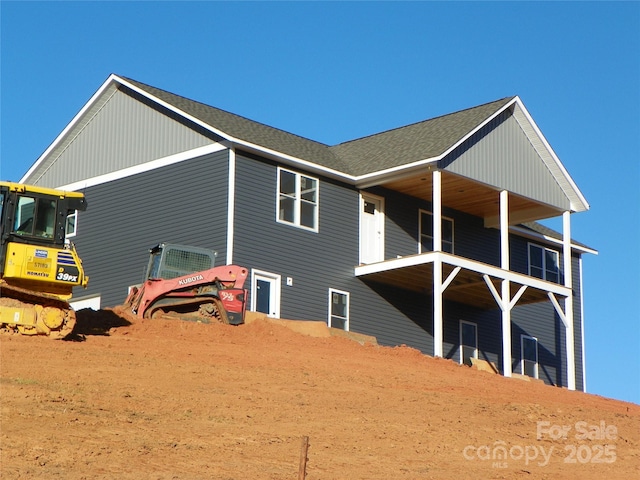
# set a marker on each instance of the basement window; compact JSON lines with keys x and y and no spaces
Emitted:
{"x":338,"y":309}
{"x":297,"y":200}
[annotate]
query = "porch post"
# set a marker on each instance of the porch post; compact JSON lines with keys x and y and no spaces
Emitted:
{"x":506,"y":291}
{"x":568,"y":303}
{"x":437,"y":264}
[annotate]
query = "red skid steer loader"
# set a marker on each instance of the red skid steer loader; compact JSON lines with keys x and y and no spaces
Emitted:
{"x":183,"y":282}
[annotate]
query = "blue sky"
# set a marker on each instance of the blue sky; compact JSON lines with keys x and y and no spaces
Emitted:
{"x":337,"y":71}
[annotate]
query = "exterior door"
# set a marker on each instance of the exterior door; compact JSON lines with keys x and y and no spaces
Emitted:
{"x":265,"y":293}
{"x":371,"y":228}
{"x":529,"y":353}
{"x":468,"y":342}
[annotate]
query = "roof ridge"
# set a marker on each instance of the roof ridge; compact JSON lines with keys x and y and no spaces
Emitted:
{"x":425,"y":121}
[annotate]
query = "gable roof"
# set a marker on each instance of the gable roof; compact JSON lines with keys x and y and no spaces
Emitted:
{"x":362,"y":161}
{"x":424,"y":140}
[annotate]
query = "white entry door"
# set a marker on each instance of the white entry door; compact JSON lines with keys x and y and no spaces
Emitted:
{"x":265,"y":293}
{"x":371,"y":228}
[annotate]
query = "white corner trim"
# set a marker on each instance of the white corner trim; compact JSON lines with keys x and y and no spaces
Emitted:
{"x":231,"y":195}
{"x":143,"y":167}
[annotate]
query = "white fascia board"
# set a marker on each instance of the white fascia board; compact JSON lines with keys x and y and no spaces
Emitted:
{"x":546,"y":238}
{"x":143,"y":167}
{"x":94,"y":98}
{"x":577,"y":199}
{"x":465,"y":263}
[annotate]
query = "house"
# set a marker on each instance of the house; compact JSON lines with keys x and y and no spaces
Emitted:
{"x":424,"y":235}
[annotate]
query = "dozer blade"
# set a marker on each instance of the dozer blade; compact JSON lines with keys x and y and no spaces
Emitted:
{"x":32,"y":313}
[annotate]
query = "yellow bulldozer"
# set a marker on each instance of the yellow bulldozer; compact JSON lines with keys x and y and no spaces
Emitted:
{"x":38,"y":267}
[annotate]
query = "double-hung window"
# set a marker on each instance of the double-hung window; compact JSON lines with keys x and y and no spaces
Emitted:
{"x":543,"y":263}
{"x":426,"y":233}
{"x":297,"y":199}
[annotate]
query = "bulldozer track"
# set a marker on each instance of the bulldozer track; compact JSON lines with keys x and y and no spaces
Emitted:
{"x":45,"y":306}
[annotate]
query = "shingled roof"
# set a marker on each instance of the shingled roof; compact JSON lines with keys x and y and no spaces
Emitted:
{"x":392,"y":148}
{"x":416,"y":142}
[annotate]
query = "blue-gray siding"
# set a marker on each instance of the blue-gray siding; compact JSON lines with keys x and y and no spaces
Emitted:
{"x":187,"y":203}
{"x":181,"y":203}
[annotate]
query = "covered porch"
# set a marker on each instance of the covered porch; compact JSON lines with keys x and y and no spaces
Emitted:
{"x":447,"y":276}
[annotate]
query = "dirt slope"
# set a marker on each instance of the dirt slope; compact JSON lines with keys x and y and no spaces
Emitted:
{"x":174,"y":400}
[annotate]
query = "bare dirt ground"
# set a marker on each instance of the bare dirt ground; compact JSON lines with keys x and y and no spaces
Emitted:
{"x":162,"y":399}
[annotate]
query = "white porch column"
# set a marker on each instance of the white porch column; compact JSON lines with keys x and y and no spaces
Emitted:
{"x":568,"y":303}
{"x":506,"y":291}
{"x":437,"y":264}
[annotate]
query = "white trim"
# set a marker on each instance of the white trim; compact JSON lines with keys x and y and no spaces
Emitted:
{"x":298,"y":201}
{"x":91,"y":301}
{"x":475,"y":326}
{"x":143,"y":167}
{"x":231,"y":202}
{"x":536,"y":369}
{"x":276,"y":282}
{"x":329,"y":315}
{"x":482,"y":268}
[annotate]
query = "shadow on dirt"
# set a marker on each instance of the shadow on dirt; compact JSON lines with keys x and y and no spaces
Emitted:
{"x":95,"y":322}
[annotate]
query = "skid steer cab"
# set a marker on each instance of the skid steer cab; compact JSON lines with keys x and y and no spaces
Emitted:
{"x":183,"y":282}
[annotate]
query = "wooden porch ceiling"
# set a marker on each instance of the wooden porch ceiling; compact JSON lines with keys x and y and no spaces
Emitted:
{"x":474,"y":198}
{"x":468,"y":287}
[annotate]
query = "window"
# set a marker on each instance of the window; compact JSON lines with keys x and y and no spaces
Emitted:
{"x":529,"y":354}
{"x":468,"y":342}
{"x":543,"y":263}
{"x":35,"y":217}
{"x":297,"y":199}
{"x":71,"y":227}
{"x":338,"y":309}
{"x":426,"y":233}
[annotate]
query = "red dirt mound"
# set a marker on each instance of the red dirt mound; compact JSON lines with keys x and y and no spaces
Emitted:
{"x":164,"y":399}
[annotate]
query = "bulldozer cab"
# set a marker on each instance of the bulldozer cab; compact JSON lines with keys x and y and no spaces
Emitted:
{"x":169,"y":260}
{"x":35,"y":215}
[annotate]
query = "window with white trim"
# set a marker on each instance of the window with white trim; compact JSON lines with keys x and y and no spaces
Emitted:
{"x":297,"y":199}
{"x":425,"y":243}
{"x":543,"y":263}
{"x":71,"y":227}
{"x":338,"y":309}
{"x":529,"y":356}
